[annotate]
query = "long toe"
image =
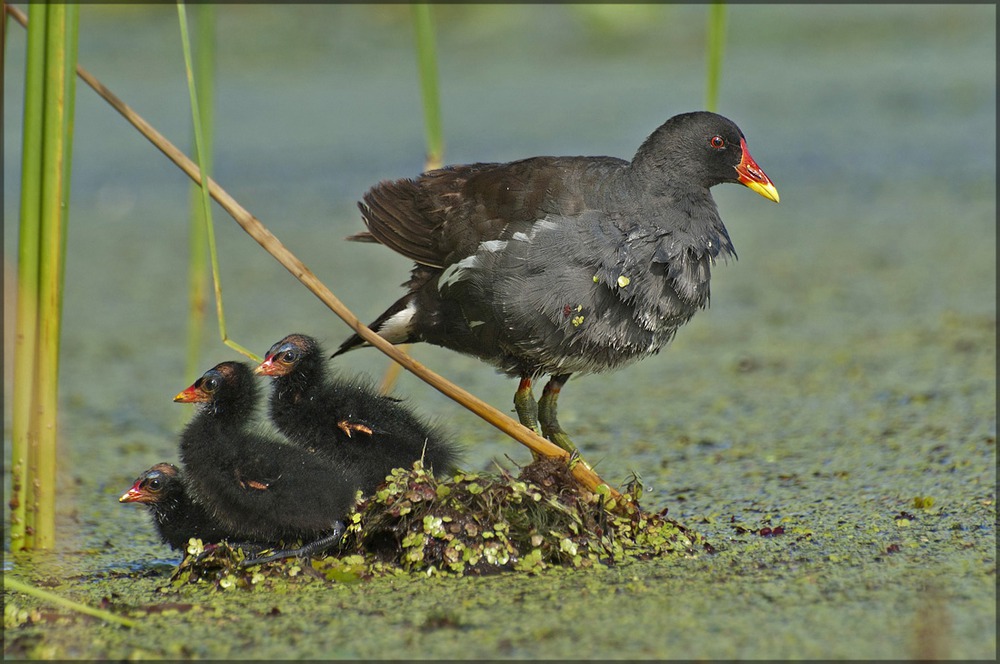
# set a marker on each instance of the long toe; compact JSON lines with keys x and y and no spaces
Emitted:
{"x":305,"y":551}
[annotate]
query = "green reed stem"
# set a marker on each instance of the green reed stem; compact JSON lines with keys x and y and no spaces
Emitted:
{"x":10,"y":583}
{"x":716,"y":45}
{"x":206,"y":200}
{"x":48,"y":133}
{"x":26,"y":326}
{"x":204,"y":75}
{"x":423,"y":26}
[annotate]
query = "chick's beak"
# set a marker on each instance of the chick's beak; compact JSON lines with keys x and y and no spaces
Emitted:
{"x":133,"y":495}
{"x":752,"y":177}
{"x":266,"y":368}
{"x":190,"y":395}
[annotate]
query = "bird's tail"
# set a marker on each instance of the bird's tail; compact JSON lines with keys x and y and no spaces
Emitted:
{"x":394,"y":325}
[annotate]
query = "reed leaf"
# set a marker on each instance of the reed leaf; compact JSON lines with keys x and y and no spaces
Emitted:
{"x":26,"y":326}
{"x":46,"y":167}
{"x":423,"y":27}
{"x":716,"y":45}
{"x":204,"y":76}
{"x":206,"y":200}
{"x":12,"y":584}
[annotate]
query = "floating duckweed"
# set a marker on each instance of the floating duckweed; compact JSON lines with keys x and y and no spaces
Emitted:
{"x":623,"y":281}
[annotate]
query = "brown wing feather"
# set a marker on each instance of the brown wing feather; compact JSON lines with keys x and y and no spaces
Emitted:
{"x":443,"y":215}
{"x":391,"y":211}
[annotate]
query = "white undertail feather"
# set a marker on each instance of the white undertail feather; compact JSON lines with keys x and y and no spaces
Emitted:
{"x":396,"y":329}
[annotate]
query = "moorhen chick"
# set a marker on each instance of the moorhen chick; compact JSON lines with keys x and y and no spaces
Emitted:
{"x":345,"y":418}
{"x":176,"y":517}
{"x":561,"y":265}
{"x":256,"y":486}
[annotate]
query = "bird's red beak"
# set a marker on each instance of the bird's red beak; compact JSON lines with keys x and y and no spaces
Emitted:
{"x":135,"y":494}
{"x":752,"y":177}
{"x":192,"y":395}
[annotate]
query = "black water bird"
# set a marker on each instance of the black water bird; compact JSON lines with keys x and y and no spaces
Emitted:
{"x":561,"y":265}
{"x":177,"y":519}
{"x":256,"y":486}
{"x":345,"y":419}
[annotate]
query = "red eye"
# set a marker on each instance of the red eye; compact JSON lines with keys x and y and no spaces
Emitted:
{"x":717,"y":142}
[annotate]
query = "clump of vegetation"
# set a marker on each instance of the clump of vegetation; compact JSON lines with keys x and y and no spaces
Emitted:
{"x":470,"y":523}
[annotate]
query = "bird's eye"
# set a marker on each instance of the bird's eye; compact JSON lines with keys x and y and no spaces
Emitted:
{"x":717,"y":142}
{"x":289,"y":356}
{"x":211,"y":384}
{"x":153,"y":484}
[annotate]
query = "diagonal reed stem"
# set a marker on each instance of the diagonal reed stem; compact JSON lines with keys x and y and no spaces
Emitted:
{"x":10,"y":583}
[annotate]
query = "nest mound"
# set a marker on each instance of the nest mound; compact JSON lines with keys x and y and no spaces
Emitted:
{"x":472,"y":523}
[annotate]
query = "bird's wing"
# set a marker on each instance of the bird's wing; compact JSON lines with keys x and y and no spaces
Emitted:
{"x":444,"y":215}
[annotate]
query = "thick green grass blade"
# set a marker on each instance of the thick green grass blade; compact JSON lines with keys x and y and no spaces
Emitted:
{"x":423,"y":27}
{"x":26,"y":330}
{"x":715,"y":48}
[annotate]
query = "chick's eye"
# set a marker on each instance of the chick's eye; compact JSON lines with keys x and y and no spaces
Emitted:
{"x":154,"y":484}
{"x":289,"y":356}
{"x":211,"y":384}
{"x":717,"y":142}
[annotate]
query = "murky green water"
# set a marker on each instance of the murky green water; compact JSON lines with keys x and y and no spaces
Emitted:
{"x":847,"y":364}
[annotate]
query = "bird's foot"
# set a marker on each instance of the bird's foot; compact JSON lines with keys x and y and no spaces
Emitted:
{"x":304,"y":551}
{"x":562,"y":439}
{"x":349,"y":428}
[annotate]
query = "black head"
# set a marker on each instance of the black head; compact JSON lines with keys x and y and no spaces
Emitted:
{"x":228,"y":386}
{"x":154,"y":485}
{"x":295,"y":355}
{"x":700,"y":150}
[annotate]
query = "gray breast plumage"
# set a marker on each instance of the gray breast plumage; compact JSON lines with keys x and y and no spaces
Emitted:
{"x":582,"y":293}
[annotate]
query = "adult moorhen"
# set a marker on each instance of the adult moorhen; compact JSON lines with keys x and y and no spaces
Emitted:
{"x":176,"y":517}
{"x":561,"y":265}
{"x":345,"y":418}
{"x":256,"y":486}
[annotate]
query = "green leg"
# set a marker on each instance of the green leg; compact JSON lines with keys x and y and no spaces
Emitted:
{"x":524,"y":404}
{"x":547,"y":414}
